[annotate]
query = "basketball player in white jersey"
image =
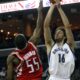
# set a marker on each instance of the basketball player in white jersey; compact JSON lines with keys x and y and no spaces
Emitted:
{"x":61,"y":61}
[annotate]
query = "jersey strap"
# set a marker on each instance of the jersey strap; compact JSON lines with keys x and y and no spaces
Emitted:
{"x":33,"y":45}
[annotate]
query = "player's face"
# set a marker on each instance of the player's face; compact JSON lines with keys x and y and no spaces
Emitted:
{"x":59,"y":35}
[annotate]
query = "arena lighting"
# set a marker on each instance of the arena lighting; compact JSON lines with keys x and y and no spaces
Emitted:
{"x":8,"y":32}
{"x":1,"y":30}
{"x":15,"y":34}
{"x":10,"y":38}
{"x":6,"y":38}
{"x":28,"y":4}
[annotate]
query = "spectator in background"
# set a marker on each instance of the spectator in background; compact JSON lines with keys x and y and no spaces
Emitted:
{"x":3,"y":74}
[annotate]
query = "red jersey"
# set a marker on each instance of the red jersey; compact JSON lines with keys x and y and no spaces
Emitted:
{"x":30,"y":66}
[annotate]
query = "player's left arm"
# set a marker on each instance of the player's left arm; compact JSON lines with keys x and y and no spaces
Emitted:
{"x":36,"y":33}
{"x":10,"y":67}
{"x":67,"y":26}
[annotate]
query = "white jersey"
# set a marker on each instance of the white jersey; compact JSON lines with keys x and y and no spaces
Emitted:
{"x":61,"y":63}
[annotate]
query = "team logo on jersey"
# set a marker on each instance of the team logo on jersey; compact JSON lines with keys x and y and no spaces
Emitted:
{"x":60,"y":49}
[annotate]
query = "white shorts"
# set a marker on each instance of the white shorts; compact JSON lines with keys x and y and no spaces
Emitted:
{"x":55,"y":78}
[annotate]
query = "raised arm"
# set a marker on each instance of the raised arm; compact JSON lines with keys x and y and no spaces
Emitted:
{"x":10,"y":67}
{"x":39,"y":25}
{"x":67,"y":26}
{"x":47,"y":32}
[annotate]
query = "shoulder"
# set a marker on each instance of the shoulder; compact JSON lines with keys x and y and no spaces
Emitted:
{"x":49,"y":48}
{"x":72,"y":45}
{"x":32,"y":44}
{"x":69,"y":47}
{"x":11,"y":55}
{"x":10,"y":58}
{"x":54,"y":46}
{"x":66,"y":45}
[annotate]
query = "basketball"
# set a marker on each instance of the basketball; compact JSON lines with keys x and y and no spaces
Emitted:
{"x":52,"y":1}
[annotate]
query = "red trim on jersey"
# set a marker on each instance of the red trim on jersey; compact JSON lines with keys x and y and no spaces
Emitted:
{"x":17,"y":54}
{"x":33,"y":45}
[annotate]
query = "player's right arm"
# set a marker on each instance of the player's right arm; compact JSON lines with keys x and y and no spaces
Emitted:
{"x":10,"y":67}
{"x":36,"y":34}
{"x":47,"y":32}
{"x":67,"y":26}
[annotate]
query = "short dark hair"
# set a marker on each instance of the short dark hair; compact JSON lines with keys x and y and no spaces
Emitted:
{"x":62,"y":29}
{"x":20,"y":41}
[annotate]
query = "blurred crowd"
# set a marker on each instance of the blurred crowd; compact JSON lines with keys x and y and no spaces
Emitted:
{"x":7,"y":41}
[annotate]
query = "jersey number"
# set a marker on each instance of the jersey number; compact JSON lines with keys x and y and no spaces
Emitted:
{"x":61,"y":58}
{"x":31,"y":66}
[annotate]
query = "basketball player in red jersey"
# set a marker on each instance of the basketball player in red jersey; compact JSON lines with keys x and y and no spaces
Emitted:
{"x":25,"y":60}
